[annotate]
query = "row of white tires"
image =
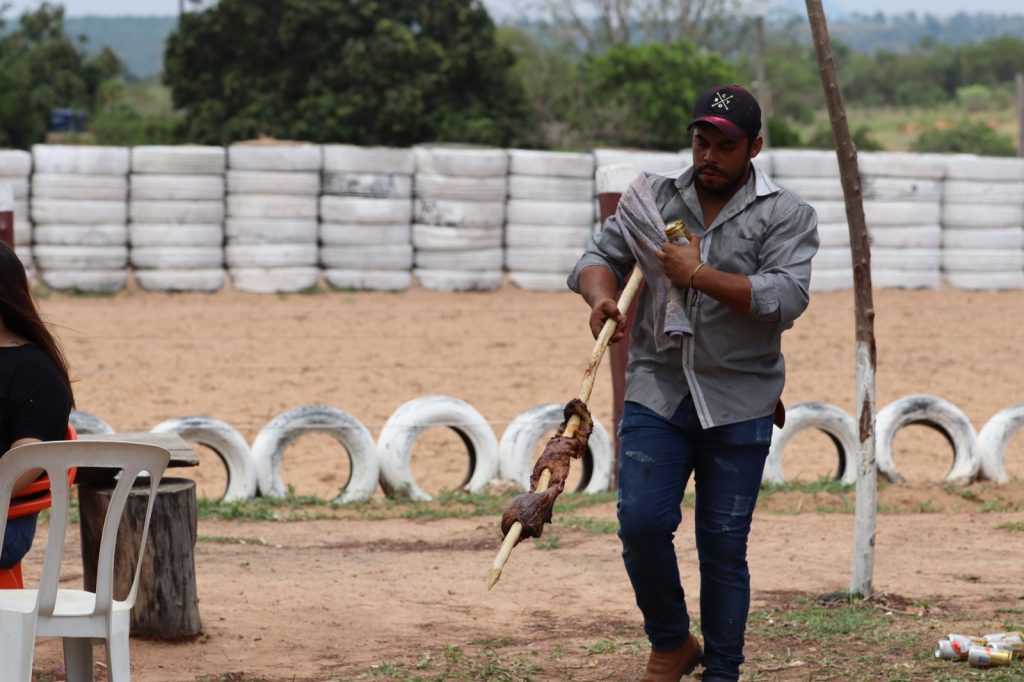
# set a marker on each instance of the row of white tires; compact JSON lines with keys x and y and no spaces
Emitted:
{"x":976,"y":454}
{"x":388,"y":460}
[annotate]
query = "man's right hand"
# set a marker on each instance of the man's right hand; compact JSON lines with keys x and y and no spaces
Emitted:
{"x":603,"y":310}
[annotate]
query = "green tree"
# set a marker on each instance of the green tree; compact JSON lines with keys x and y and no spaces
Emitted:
{"x":386,"y":72}
{"x":643,"y":95}
{"x":42,"y":69}
{"x":969,"y":137}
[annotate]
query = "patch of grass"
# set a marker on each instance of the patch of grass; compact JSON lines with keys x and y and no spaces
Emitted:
{"x":994,"y":506}
{"x":614,"y":646}
{"x":824,"y":484}
{"x":551,"y":541}
{"x":595,"y":526}
{"x":231,"y":540}
{"x":1012,"y":526}
{"x":291,"y":508}
{"x":482,"y":660}
{"x":811,"y":621}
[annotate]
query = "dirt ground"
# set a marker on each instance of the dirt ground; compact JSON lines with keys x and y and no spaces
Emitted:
{"x":363,"y":598}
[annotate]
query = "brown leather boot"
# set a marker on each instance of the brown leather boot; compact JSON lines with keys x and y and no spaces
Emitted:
{"x":670,"y":666}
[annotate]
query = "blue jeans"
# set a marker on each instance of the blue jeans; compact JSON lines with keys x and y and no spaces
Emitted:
{"x":657,"y":457}
{"x":18,"y":536}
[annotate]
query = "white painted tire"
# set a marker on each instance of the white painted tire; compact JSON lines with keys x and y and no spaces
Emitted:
{"x":981,"y":192}
{"x":50,"y":257}
{"x":814,"y":189}
{"x":460,"y":187}
{"x":81,"y":235}
{"x":365,"y":211}
{"x":270,"y":231}
{"x":347,"y":234}
{"x":614,"y":178}
{"x":993,"y":439}
{"x":373,"y":185}
{"x":972,"y":167}
{"x":404,"y":426}
{"x":179,"y":160}
{"x":908,"y":237}
{"x":20,"y":187}
{"x":982,"y":260}
{"x":907,"y":259}
{"x":901,"y":189}
{"x":458,"y":280}
{"x":938,"y":414}
{"x":181,"y":280}
{"x":84,"y":187}
{"x":378,"y":257}
{"x":304,"y":184}
{"x":177,"y":188}
{"x":92,"y":281}
{"x":85,"y":422}
{"x":15,"y":162}
{"x":541,"y":188}
{"x":436,"y":237}
{"x":469,"y":259}
{"x":830,"y":212}
{"x":177,"y":257}
{"x":352,"y":159}
{"x":829,"y":419}
{"x":274,"y":280}
{"x":274,"y":438}
{"x":551,"y":212}
{"x":368,"y":280}
{"x":83,"y":160}
{"x":831,"y":279}
{"x":542,"y":260}
{"x":477,"y":162}
{"x":538,"y":281}
{"x":270,"y":255}
{"x":991,"y":216}
{"x":834,"y":235}
{"x":650,"y":161}
{"x":883,"y":213}
{"x":149,"y":234}
{"x":550,"y":164}
{"x":543,"y":236}
{"x":177,"y":212}
{"x":1005,"y":238}
{"x":804,"y":163}
{"x":985,"y":281}
{"x":71,"y":212}
{"x":459,"y":213}
{"x":275,"y":157}
{"x":831,"y":258}
{"x":229,"y":445}
{"x":524,"y":433}
{"x":272,"y":206}
{"x":900,"y":278}
{"x":901,"y":165}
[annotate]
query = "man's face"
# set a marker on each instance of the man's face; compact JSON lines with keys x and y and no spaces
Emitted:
{"x":720,"y":163}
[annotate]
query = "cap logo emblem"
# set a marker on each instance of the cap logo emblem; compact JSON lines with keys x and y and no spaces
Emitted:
{"x":722,"y":101}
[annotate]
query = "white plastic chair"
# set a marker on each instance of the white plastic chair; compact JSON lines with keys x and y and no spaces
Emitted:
{"x":79,"y":617}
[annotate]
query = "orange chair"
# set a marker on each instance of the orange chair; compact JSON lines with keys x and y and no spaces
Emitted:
{"x":32,"y":499}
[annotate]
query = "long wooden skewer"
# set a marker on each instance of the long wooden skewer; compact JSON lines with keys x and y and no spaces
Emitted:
{"x":632,"y":285}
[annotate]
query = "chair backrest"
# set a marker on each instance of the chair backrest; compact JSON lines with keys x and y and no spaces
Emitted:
{"x":129,"y":459}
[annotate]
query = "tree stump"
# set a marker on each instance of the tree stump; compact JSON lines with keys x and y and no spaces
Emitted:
{"x":167,"y":605}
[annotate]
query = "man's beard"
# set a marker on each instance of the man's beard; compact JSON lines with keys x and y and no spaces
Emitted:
{"x":728,"y":189}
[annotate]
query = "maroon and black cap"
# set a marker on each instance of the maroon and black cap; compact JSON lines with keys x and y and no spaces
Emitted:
{"x":731,"y":109}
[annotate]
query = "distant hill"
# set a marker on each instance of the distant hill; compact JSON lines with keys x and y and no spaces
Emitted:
{"x":138,"y":41}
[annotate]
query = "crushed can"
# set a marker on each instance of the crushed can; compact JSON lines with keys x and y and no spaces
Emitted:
{"x":987,"y":657}
{"x":963,"y":643}
{"x":945,"y":650}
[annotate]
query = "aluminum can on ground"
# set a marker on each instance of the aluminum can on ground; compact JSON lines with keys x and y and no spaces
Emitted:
{"x":987,"y":657}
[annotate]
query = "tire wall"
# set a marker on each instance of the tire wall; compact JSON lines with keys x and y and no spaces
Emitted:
{"x":279,"y":217}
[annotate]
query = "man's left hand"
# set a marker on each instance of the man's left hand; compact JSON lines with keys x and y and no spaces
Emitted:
{"x":679,"y":262}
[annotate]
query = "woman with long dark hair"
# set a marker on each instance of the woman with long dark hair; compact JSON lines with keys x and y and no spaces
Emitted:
{"x":35,"y":388}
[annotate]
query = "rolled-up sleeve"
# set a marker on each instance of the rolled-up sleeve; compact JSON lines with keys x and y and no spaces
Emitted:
{"x":608,"y":249}
{"x":779,"y":290}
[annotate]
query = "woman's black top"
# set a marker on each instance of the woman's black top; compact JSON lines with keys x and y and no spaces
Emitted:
{"x":34,"y":398}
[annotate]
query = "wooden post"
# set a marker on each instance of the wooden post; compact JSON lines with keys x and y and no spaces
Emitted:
{"x":1020,"y":114}
{"x":166,"y":605}
{"x":865,"y":511}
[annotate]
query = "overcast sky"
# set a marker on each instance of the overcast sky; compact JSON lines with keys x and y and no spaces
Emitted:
{"x":504,"y":7}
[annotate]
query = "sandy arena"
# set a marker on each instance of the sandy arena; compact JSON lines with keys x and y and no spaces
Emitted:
{"x":360,"y":598}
